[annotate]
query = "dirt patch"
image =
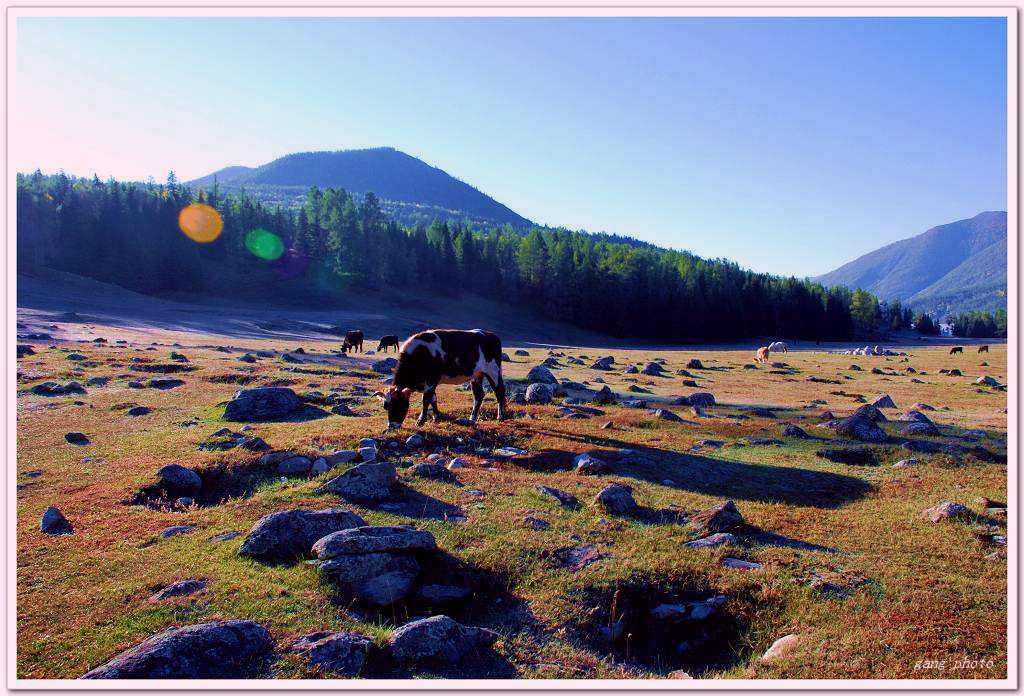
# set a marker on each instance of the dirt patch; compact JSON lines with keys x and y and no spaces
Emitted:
{"x":221,"y":482}
{"x":663,"y":625}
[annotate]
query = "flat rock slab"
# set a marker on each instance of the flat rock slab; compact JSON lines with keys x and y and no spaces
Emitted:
{"x":576,"y":558}
{"x":369,"y":539}
{"x":290,"y":534}
{"x":438,"y":640}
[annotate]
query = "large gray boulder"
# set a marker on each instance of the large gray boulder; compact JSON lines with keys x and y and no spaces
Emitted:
{"x":261,"y":404}
{"x":216,"y":650}
{"x":438,"y":640}
{"x":367,"y":539}
{"x":365,"y":483}
{"x":290,"y":534}
{"x":385,"y":366}
{"x":541,"y":374}
{"x":701,"y":399}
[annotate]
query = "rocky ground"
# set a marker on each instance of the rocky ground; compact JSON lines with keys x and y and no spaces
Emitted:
{"x":195,"y":505}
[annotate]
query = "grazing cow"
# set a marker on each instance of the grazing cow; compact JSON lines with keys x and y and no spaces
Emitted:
{"x":778,"y":347}
{"x":762,"y":354}
{"x":387,"y":342}
{"x":444,"y":356}
{"x":353,"y":341}
{"x":956,"y":349}
{"x":982,"y":349}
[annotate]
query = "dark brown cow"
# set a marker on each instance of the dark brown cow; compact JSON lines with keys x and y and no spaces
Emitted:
{"x":353,"y":341}
{"x":956,"y":349}
{"x":982,"y":349}
{"x":444,"y":356}
{"x":387,"y":342}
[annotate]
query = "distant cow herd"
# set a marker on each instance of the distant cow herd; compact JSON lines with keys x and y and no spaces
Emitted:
{"x":452,"y":356}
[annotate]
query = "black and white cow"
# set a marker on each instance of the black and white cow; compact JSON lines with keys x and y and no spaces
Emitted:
{"x":444,"y":356}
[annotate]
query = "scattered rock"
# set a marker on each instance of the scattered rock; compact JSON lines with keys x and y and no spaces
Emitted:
{"x":76,"y":439}
{"x":385,"y":366}
{"x":179,"y":479}
{"x":617,"y":499}
{"x":694,"y":364}
{"x":722,"y":518}
{"x":369,"y":539}
{"x":564,"y":499}
{"x":337,"y":653}
{"x":365,"y":483}
{"x":542,"y":375}
{"x":177,"y":530}
{"x":905,"y":463}
{"x":216,"y":650}
{"x":795,"y":431}
{"x":740,"y":564}
{"x":538,"y":394}
{"x":704,"y":399}
{"x":946,"y":510}
{"x":712,"y":541}
{"x":433,"y":471}
{"x":438,"y":640}
{"x":884,"y":401}
{"x":54,"y":523}
{"x":179,"y":589}
{"x":589,"y":465}
{"x":604,"y":396}
{"x":780,"y":649}
{"x":667,"y":415}
{"x":290,"y":534}
{"x":262,"y":403}
{"x":54,"y":389}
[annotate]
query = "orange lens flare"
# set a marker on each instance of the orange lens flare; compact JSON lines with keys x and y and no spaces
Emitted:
{"x":200,"y":223}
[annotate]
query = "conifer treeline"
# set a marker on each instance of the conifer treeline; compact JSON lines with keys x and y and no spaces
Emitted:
{"x":128,"y":234}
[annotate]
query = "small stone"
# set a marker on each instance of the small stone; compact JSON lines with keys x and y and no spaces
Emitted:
{"x":712,"y":541}
{"x":617,"y":499}
{"x":179,"y":589}
{"x":77,"y":439}
{"x":53,"y":522}
{"x":177,"y":530}
{"x":946,"y":510}
{"x":781,"y":648}
{"x":334,"y":652}
{"x":740,"y":564}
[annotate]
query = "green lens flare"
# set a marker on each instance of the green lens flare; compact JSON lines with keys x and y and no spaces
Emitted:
{"x":263,"y":244}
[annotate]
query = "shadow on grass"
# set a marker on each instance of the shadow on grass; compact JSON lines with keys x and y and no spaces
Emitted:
{"x":721,"y":478}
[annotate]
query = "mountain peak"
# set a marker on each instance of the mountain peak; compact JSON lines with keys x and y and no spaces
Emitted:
{"x":393,"y":175}
{"x":949,"y":268}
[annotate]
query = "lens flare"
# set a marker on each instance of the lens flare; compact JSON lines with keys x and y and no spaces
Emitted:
{"x":200,"y":223}
{"x":263,"y":244}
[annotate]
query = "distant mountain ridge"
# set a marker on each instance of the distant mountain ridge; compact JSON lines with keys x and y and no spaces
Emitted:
{"x":951,"y":268}
{"x":412,"y":190}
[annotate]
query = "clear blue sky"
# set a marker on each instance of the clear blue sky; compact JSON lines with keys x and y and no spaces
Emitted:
{"x":789,"y":145}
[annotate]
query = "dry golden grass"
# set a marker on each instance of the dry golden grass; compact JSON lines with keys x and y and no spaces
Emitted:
{"x":914,"y":590}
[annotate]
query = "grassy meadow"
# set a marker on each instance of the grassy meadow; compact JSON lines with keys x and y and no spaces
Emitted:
{"x":846,"y":560}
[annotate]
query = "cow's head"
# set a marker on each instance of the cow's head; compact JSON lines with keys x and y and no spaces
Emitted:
{"x":396,"y":405}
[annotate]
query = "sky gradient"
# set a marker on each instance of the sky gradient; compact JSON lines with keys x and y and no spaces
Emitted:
{"x":788,"y":145}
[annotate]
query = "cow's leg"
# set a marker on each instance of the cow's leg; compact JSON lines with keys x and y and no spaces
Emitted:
{"x":428,"y":398}
{"x":433,"y":403}
{"x":478,"y":397}
{"x":499,"y":393}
